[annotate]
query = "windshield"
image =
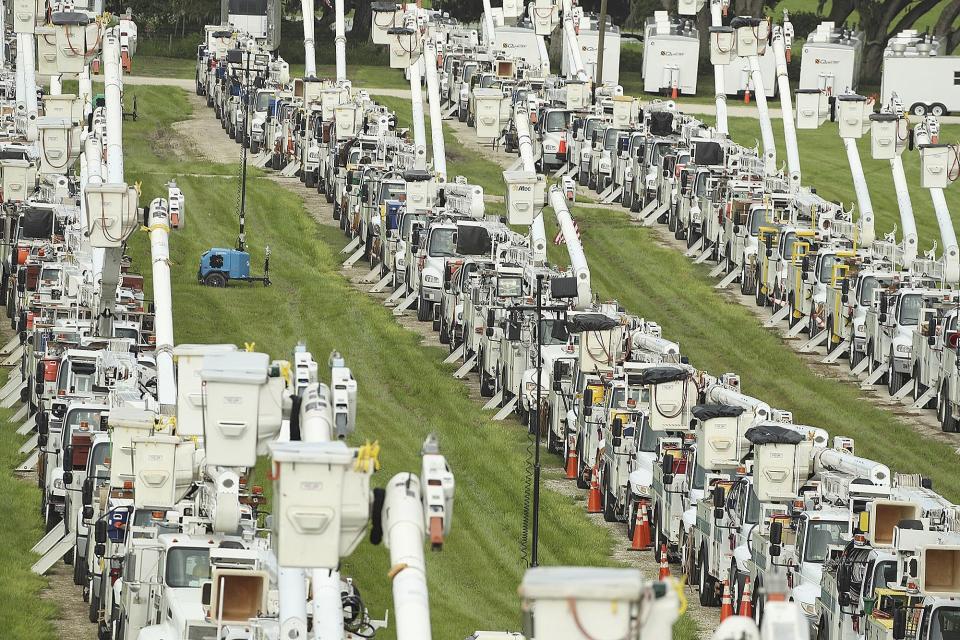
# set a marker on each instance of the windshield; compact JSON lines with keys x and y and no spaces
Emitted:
{"x":868,"y":286}
{"x":699,"y":477}
{"x":788,"y":242}
{"x":442,"y":244}
{"x":701,"y":185}
{"x":487,"y":81}
{"x":757,"y":217}
{"x":557,"y":121}
{"x":946,"y":624}
{"x":628,"y":397}
{"x":589,"y":128}
{"x":820,"y":535}
{"x":89,"y":416}
{"x":509,"y":287}
{"x":99,"y":456}
{"x":393,"y":191}
{"x":649,"y":439}
{"x":468,"y":71}
{"x":50,"y":275}
{"x":883,"y":575}
{"x":263,"y":101}
{"x":909,"y":311}
{"x":610,"y":138}
{"x":120,"y":332}
{"x":408,"y":221}
{"x":550,"y":326}
{"x":187,"y":567}
{"x":826,"y":267}
{"x":657,"y":153}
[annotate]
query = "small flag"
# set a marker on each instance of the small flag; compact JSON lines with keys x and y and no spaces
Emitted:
{"x":558,"y":240}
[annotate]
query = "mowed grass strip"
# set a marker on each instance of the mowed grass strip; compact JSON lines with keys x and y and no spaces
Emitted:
{"x":20,"y":528}
{"x":405,"y":391}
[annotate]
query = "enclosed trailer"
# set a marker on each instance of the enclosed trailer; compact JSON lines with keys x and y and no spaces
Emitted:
{"x":830,"y":59}
{"x":589,"y":40}
{"x":737,"y":75}
{"x":924,"y":80}
{"x":671,"y":55}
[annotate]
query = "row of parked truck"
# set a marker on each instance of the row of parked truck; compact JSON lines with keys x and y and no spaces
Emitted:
{"x":736,"y":490}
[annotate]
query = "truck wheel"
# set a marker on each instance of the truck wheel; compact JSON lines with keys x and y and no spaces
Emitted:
{"x":79,"y":571}
{"x":706,"y":581}
{"x":254,"y":148}
{"x":486,"y":385}
{"x":445,"y":339}
{"x":423,"y":309}
{"x":938,"y":110}
{"x":746,"y":282}
{"x":93,"y":612}
{"x":895,"y":380}
{"x":582,"y":178}
{"x":948,"y":424}
{"x":592,"y":183}
{"x":918,"y":109}
{"x":609,"y":506}
{"x":553,"y":446}
{"x":736,"y":587}
{"x":581,"y":468}
{"x":658,"y":538}
{"x":461,"y":115}
{"x":215,"y":279}
{"x":635,"y":204}
{"x":631,"y":516}
{"x":328,"y":194}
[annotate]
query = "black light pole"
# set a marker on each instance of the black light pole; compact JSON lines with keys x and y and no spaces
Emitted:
{"x":241,"y":239}
{"x":536,"y":426}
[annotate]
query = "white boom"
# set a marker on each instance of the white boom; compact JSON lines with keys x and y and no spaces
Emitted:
{"x":766,"y":126}
{"x":416,"y":109}
{"x":904,"y":204}
{"x":578,"y":261}
{"x":491,"y":30}
{"x":948,"y":236}
{"x":403,"y":529}
{"x":867,"y":233}
{"x":716,"y":20}
{"x":836,"y":460}
{"x":27,"y":59}
{"x":309,"y":45}
{"x":573,"y":46}
{"x":538,"y":234}
{"x":340,"y":42}
{"x":782,"y":39}
{"x":436,"y":117}
{"x":163,"y":303}
{"x":721,"y":394}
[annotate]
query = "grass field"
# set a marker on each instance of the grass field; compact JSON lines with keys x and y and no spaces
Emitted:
{"x":405,"y":392}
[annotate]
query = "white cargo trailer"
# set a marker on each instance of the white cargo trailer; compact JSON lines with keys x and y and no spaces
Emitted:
{"x":925,"y":81}
{"x":830,"y":59}
{"x":589,"y":39}
{"x":521,"y":42}
{"x":671,"y":55}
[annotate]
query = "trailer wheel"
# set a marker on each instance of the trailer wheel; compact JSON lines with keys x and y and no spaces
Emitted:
{"x":918,"y":109}
{"x":938,"y":110}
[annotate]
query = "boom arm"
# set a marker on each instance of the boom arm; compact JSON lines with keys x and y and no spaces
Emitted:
{"x":948,"y":236}
{"x":578,"y":261}
{"x":716,"y":20}
{"x":340,"y":43}
{"x":782,"y":38}
{"x":436,"y":117}
{"x":573,"y":46}
{"x":416,"y":109}
{"x":538,"y":235}
{"x":309,"y":46}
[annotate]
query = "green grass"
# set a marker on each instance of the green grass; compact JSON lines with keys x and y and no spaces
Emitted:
{"x":20,"y":528}
{"x":405,"y":391}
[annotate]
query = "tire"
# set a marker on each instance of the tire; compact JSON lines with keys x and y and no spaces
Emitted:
{"x":580,"y":482}
{"x":436,"y":325}
{"x":336,"y":210}
{"x":93,"y":611}
{"x":553,"y":444}
{"x":328,"y":194}
{"x":705,"y":581}
{"x":939,"y":110}
{"x":632,"y":513}
{"x":461,"y":115}
{"x":582,"y":178}
{"x":215,"y":279}
{"x":486,"y":385}
{"x":635,"y":204}
{"x":947,"y":423}
{"x":736,"y":587}
{"x":855,"y":358}
{"x":918,"y":109}
{"x":609,"y":509}
{"x":692,"y":237}
{"x":310,"y":179}
{"x":746,"y":284}
{"x":592,"y":183}
{"x":445,"y":338}
{"x":423,"y":309}
{"x":254,"y":148}
{"x":895,"y":380}
{"x":658,"y":538}
{"x":79,"y":571}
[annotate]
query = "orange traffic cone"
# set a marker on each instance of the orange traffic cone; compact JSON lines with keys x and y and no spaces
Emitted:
{"x":673,"y":94}
{"x":641,"y":530}
{"x":594,"y":502}
{"x":572,"y":464}
{"x":746,"y":97}
{"x":746,"y":603}
{"x":726,"y":608}
{"x":664,"y":567}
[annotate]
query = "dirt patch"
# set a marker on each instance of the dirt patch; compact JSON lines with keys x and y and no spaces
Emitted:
{"x":202,"y":135}
{"x":73,"y":623}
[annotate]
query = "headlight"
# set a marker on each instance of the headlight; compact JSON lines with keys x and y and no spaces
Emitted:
{"x":859,"y":329}
{"x":431,"y":279}
{"x":809,"y":609}
{"x":904,"y":348}
{"x":58,"y":483}
{"x":641,"y":490}
{"x":531,"y":387}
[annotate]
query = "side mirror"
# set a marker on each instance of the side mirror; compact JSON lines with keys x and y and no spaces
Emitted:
{"x":899,"y":623}
{"x":415,"y":238}
{"x":100,"y":533}
{"x":86,"y":493}
{"x":489,"y":332}
{"x":931,"y":340}
{"x":617,"y":428}
{"x":667,"y":466}
{"x":718,"y":503}
{"x":205,"y":593}
{"x":883,"y":304}
{"x":805,"y":264}
{"x":776,"y":533}
{"x":99,"y":549}
{"x":844,"y":298}
{"x":67,"y":478}
{"x":87,"y":512}
{"x":42,"y":440}
{"x":491,"y":317}
{"x":67,"y":455}
{"x":736,"y":229}
{"x":883,"y":318}
{"x":588,"y":398}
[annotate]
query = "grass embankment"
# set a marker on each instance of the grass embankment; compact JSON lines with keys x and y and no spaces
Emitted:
{"x":718,"y":336}
{"x":405,"y":391}
{"x":20,"y":528}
